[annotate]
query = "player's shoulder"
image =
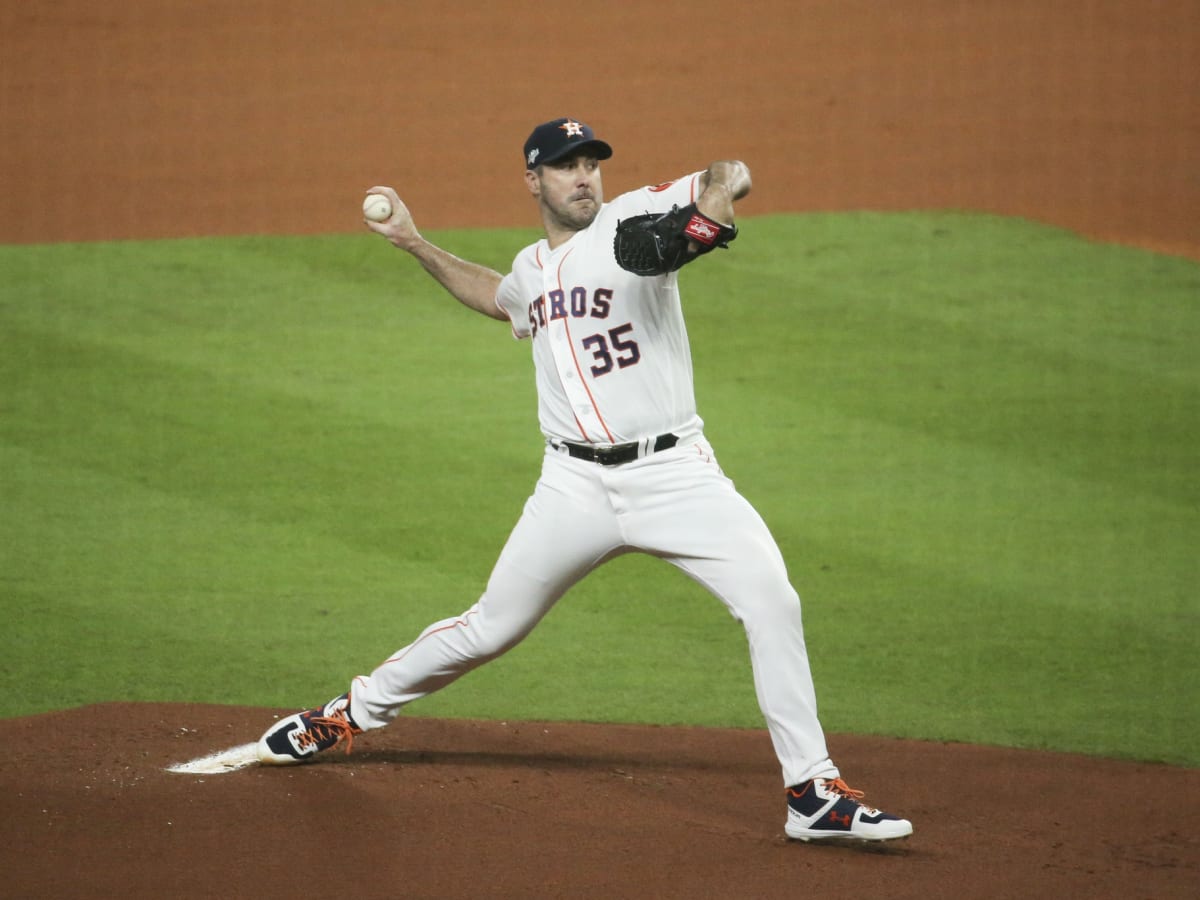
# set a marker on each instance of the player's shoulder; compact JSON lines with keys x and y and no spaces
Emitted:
{"x":690,"y":183}
{"x":662,"y":196}
{"x":531,"y":255}
{"x":652,"y":198}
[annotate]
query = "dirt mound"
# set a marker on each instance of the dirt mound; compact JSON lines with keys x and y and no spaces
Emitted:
{"x":448,"y":809}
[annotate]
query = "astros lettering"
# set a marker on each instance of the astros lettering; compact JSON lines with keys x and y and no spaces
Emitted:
{"x":577,"y":304}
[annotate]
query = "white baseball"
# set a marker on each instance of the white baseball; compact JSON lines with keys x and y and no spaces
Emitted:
{"x":377,"y":208}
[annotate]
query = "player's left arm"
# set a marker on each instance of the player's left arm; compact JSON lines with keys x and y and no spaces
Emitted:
{"x":721,"y":185}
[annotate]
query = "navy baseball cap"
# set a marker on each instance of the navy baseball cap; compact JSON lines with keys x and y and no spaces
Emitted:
{"x":555,"y":139}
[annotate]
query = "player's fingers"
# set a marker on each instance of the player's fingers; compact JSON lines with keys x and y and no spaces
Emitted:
{"x":388,"y":192}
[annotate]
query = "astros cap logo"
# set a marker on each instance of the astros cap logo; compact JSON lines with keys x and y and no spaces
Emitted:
{"x":559,"y":137}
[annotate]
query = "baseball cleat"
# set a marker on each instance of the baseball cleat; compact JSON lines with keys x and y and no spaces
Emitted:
{"x":300,"y":737}
{"x":830,"y":810}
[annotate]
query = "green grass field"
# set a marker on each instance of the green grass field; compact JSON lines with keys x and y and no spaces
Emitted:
{"x":244,"y":470}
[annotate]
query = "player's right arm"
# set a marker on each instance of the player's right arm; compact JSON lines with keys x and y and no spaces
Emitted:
{"x":471,"y":284}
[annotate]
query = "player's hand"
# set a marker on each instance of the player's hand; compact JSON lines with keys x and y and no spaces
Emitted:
{"x":398,"y":228}
{"x":724,"y":182}
{"x":717,"y":203}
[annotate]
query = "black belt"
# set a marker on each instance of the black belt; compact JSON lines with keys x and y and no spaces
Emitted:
{"x":618,"y":453}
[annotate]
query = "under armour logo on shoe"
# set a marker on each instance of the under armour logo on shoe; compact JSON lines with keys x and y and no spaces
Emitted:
{"x":844,"y":821}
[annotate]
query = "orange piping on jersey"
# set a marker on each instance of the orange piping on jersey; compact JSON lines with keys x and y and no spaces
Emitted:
{"x":537,"y":255}
{"x":537,"y":258}
{"x":511,"y":324}
{"x":571,"y":342}
{"x":579,"y":425}
{"x":457,"y":623}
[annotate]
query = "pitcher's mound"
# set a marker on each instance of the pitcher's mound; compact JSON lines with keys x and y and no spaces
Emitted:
{"x":448,"y":809}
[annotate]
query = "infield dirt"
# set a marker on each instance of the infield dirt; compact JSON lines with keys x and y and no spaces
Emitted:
{"x":439,"y":808}
{"x":169,"y":120}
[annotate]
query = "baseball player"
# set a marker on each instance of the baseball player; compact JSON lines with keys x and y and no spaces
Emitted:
{"x":626,"y":465}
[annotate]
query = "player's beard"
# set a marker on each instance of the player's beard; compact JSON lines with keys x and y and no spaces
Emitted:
{"x":574,"y":215}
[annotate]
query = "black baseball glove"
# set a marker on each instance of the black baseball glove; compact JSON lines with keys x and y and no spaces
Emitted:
{"x":657,"y":243}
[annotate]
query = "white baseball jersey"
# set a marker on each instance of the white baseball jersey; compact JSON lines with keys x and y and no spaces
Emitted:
{"x":614,"y":367}
{"x":610,"y":347}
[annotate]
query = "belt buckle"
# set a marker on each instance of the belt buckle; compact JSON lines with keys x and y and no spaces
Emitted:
{"x":607,"y":456}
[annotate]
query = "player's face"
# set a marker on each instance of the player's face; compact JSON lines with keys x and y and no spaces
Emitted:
{"x":568,"y":190}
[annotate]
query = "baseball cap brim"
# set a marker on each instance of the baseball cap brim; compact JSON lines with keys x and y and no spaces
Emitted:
{"x":595,"y":147}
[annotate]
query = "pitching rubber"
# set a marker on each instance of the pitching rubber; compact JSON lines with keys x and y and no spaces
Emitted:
{"x":220,"y":762}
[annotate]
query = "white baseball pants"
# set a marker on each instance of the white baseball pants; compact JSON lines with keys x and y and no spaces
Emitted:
{"x":677,"y":505}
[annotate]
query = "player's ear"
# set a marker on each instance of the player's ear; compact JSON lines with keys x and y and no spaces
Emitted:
{"x":533,"y":181}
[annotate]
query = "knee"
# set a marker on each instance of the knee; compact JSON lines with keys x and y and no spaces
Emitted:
{"x":489,"y":634}
{"x":769,"y":604}
{"x":487,"y":644}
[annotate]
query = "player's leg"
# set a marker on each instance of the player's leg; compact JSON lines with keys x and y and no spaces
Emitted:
{"x":690,"y":514}
{"x":567,"y":528}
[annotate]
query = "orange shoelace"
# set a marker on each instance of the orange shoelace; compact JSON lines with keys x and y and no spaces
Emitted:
{"x":837,"y":786}
{"x":322,"y":728}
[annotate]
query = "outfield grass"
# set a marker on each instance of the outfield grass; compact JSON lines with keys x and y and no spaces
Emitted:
{"x":245,"y":470}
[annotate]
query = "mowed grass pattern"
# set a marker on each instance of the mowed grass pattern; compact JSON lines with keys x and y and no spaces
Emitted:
{"x":245,"y":470}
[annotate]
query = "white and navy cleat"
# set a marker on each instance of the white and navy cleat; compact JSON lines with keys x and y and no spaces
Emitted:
{"x":300,"y":737}
{"x":830,"y":810}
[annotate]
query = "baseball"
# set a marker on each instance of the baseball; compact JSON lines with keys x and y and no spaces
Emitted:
{"x":377,"y":208}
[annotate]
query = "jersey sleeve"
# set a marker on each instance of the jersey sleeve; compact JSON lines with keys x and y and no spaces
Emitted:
{"x":508,"y":298}
{"x":659,"y":198}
